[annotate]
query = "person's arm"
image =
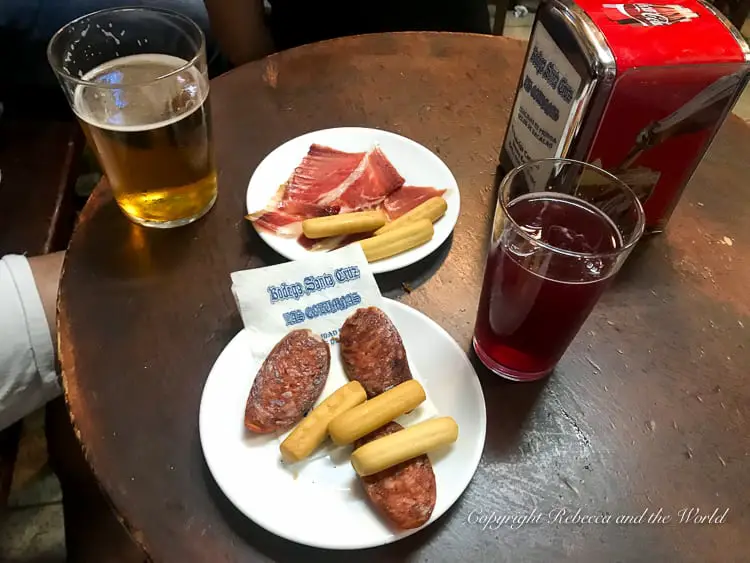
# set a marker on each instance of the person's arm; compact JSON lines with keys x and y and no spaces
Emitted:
{"x":46,"y":271}
{"x":240,"y":28}
{"x":28,"y":295}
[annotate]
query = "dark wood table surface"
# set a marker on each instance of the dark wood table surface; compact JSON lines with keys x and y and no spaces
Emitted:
{"x":648,"y":410}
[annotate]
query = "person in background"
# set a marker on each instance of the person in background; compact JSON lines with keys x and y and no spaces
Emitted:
{"x":245,"y":30}
{"x":28,"y":85}
{"x":28,"y":298}
{"x":250,"y":29}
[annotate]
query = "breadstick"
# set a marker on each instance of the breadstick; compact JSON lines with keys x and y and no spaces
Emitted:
{"x":403,"y":445}
{"x":373,"y":414}
{"x":343,"y":224}
{"x":403,"y":238}
{"x":432,"y":209}
{"x":311,"y":432}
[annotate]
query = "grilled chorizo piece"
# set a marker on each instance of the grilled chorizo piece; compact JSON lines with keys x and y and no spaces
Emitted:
{"x":288,"y":383}
{"x":372,"y":351}
{"x":405,"y":493}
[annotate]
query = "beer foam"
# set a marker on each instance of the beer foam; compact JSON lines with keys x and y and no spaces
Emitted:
{"x":143,"y":103}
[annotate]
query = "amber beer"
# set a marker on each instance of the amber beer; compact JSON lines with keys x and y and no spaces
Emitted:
{"x":153,"y":141}
{"x":137,"y":80}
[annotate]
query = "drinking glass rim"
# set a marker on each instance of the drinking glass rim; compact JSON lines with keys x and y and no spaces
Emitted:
{"x":640,"y":224}
{"x":81,"y":82}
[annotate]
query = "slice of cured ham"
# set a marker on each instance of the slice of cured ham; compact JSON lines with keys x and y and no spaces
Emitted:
{"x":285,"y":218}
{"x":367,"y":186}
{"x":326,"y":182}
{"x":322,"y":171}
{"x":407,"y":198}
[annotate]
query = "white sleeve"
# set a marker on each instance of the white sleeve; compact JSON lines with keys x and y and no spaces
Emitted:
{"x":27,"y":359}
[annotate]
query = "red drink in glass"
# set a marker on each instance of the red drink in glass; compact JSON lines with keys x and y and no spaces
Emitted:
{"x":552,"y":256}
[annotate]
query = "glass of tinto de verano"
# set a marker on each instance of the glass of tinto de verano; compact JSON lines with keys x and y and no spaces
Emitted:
{"x":136,"y":78}
{"x":562,"y":229}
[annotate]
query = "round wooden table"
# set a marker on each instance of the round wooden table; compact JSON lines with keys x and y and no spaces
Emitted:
{"x":647,"y":412}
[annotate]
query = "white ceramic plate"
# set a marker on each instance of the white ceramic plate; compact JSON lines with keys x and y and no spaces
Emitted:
{"x":418,"y":165}
{"x":322,"y":503}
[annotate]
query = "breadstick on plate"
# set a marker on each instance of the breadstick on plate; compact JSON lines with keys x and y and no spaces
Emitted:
{"x":403,"y":445}
{"x":343,"y":224}
{"x":373,"y":414}
{"x":403,"y":238}
{"x":432,"y":209}
{"x":311,"y":432}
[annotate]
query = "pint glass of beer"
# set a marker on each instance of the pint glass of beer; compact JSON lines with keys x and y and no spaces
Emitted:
{"x":136,"y":78}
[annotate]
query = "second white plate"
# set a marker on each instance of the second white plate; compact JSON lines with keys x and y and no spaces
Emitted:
{"x":322,"y":503}
{"x":418,"y":165}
